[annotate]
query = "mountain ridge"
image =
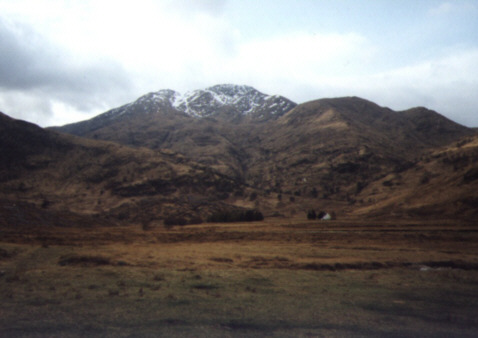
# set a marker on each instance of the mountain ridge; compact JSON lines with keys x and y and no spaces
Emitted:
{"x":335,"y":138}
{"x":233,"y":100}
{"x":348,"y":155}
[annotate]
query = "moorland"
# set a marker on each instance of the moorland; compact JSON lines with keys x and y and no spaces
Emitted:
{"x":278,"y":278}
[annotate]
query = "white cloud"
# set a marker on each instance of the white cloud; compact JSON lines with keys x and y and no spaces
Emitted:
{"x":442,"y":9}
{"x":21,"y":105}
{"x":301,"y":57}
{"x":452,"y":8}
{"x":448,"y":85}
{"x":77,"y":58}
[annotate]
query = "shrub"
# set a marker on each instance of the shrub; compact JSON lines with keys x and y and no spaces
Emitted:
{"x":45,"y":204}
{"x":181,"y":221}
{"x":83,"y":260}
{"x":311,"y":214}
{"x":145,"y":225}
{"x":359,"y":187}
{"x":195,"y":220}
{"x":173,"y":220}
{"x":236,"y":216}
{"x":252,"y":215}
{"x":388,"y":183}
{"x":471,"y":175}
{"x":223,"y":196}
{"x":314,"y":193}
{"x":425,"y":178}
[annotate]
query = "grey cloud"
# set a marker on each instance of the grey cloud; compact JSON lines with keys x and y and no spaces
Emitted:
{"x":42,"y":72}
{"x":29,"y":61}
{"x":17,"y":58}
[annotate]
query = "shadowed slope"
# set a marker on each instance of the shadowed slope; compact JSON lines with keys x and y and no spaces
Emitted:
{"x":57,"y":172}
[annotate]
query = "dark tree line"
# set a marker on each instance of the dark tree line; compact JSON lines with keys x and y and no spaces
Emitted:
{"x":236,"y":216}
{"x":178,"y":220}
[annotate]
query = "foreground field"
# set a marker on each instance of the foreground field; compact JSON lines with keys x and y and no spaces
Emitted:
{"x":277,"y":278}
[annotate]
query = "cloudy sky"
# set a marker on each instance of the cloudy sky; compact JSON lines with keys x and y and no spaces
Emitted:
{"x":65,"y":61}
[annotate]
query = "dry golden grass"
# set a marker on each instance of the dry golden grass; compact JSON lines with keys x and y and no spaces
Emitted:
{"x":285,"y":278}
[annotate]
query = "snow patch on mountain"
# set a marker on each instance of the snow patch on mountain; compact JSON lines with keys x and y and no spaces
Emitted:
{"x":244,"y":99}
{"x":204,"y":102}
{"x":241,"y":99}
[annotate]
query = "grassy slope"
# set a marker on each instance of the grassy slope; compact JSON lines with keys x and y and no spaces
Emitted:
{"x":443,"y":182}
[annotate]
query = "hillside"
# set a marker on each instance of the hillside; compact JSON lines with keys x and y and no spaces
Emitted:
{"x":328,"y":149}
{"x":335,"y":147}
{"x":229,"y":147}
{"x":47,"y":174}
{"x":442,"y":182}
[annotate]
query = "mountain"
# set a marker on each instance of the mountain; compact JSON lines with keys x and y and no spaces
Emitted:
{"x":230,"y":102}
{"x":334,"y":148}
{"x":63,"y":180}
{"x":329,"y":148}
{"x":231,"y":146}
{"x":196,"y":124}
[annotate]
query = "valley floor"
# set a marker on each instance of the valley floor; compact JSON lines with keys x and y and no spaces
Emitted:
{"x":279,"y":278}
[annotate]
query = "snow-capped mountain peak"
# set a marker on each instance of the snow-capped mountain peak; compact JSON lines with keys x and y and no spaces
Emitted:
{"x":236,"y":100}
{"x":205,"y":102}
{"x":243,"y":99}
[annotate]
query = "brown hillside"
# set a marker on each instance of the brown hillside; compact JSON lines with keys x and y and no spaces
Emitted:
{"x":333,"y":148}
{"x":52,"y":173}
{"x":331,"y":154}
{"x":443,"y":182}
{"x":326,"y":145}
